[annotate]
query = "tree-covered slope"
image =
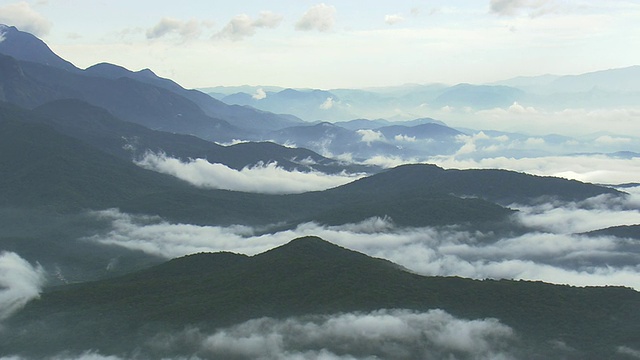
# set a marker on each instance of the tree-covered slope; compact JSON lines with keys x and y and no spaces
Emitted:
{"x":311,"y":276}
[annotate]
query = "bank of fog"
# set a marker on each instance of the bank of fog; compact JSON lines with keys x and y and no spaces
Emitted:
{"x":554,"y":251}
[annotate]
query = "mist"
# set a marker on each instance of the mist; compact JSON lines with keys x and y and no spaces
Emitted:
{"x":19,"y":283}
{"x":553,"y":251}
{"x":261,"y":178}
{"x":380,"y":334}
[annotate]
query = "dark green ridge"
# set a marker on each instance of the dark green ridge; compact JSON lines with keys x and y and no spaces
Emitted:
{"x":312,"y":276}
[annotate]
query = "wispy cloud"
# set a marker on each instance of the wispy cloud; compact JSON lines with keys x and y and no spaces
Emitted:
{"x":166,"y":26}
{"x":320,"y":17}
{"x":23,"y":16}
{"x":242,"y":26}
{"x":19,"y":283}
{"x":261,"y":178}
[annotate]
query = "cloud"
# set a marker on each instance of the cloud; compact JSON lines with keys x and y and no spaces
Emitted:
{"x":398,"y":334}
{"x":630,"y":352}
{"x":259,"y":95}
{"x":393,"y":19}
{"x":608,"y":140}
{"x":320,"y":17}
{"x":549,"y":252}
{"x":261,"y":178}
{"x":242,"y":25}
{"x":405,"y":138}
{"x":514,"y":7}
{"x":19,"y":283}
{"x":22,"y":16}
{"x":381,"y":334}
{"x":166,"y":26}
{"x":600,"y":169}
{"x":369,"y":136}
{"x":327,"y":104}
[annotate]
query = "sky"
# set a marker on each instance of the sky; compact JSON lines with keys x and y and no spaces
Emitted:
{"x":337,"y":44}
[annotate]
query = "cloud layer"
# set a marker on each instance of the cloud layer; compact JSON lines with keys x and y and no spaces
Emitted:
{"x":550,"y":252}
{"x":19,"y":283}
{"x":385,"y":334}
{"x":381,"y":334}
{"x":269,"y":178}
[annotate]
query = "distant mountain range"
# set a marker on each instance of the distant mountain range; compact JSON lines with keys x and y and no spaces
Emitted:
{"x":601,"y":89}
{"x":34,"y":75}
{"x":307,"y":277}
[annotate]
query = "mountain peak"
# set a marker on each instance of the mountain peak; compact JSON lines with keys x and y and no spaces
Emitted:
{"x":27,"y":47}
{"x":308,"y":245}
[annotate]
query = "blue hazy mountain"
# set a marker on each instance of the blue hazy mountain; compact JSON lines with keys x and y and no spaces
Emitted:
{"x":140,"y":97}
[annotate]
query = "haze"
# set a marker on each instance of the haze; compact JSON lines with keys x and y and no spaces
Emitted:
{"x":350,"y":44}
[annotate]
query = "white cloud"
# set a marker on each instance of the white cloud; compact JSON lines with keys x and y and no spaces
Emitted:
{"x":22,"y":16}
{"x":262,"y":178}
{"x":242,"y":25}
{"x":608,"y":140}
{"x":405,"y":138}
{"x":327,"y":104}
{"x":534,"y":141}
{"x":19,"y":283}
{"x":393,"y":19}
{"x":185,"y":29}
{"x":369,"y":136}
{"x":320,"y":17}
{"x":579,"y":217}
{"x":519,"y":109}
{"x":587,"y":168}
{"x":374,"y":335}
{"x":260,"y":94}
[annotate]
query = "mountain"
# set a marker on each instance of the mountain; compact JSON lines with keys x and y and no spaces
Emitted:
{"x":424,"y":131}
{"x":306,"y":277}
{"x":24,"y":46}
{"x":359,"y":124}
{"x":310,"y":105}
{"x":239,"y":116}
{"x":614,"y":80}
{"x":331,"y":140}
{"x":62,"y":173}
{"x":623,"y":231}
{"x":43,"y":167}
{"x":97,"y":127}
{"x":501,"y":186}
{"x":479,"y":96}
{"x":140,"y":97}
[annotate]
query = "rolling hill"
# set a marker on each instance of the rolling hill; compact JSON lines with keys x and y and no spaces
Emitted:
{"x":310,"y":276}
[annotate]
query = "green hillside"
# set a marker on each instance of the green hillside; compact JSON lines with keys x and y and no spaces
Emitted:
{"x":311,"y":276}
